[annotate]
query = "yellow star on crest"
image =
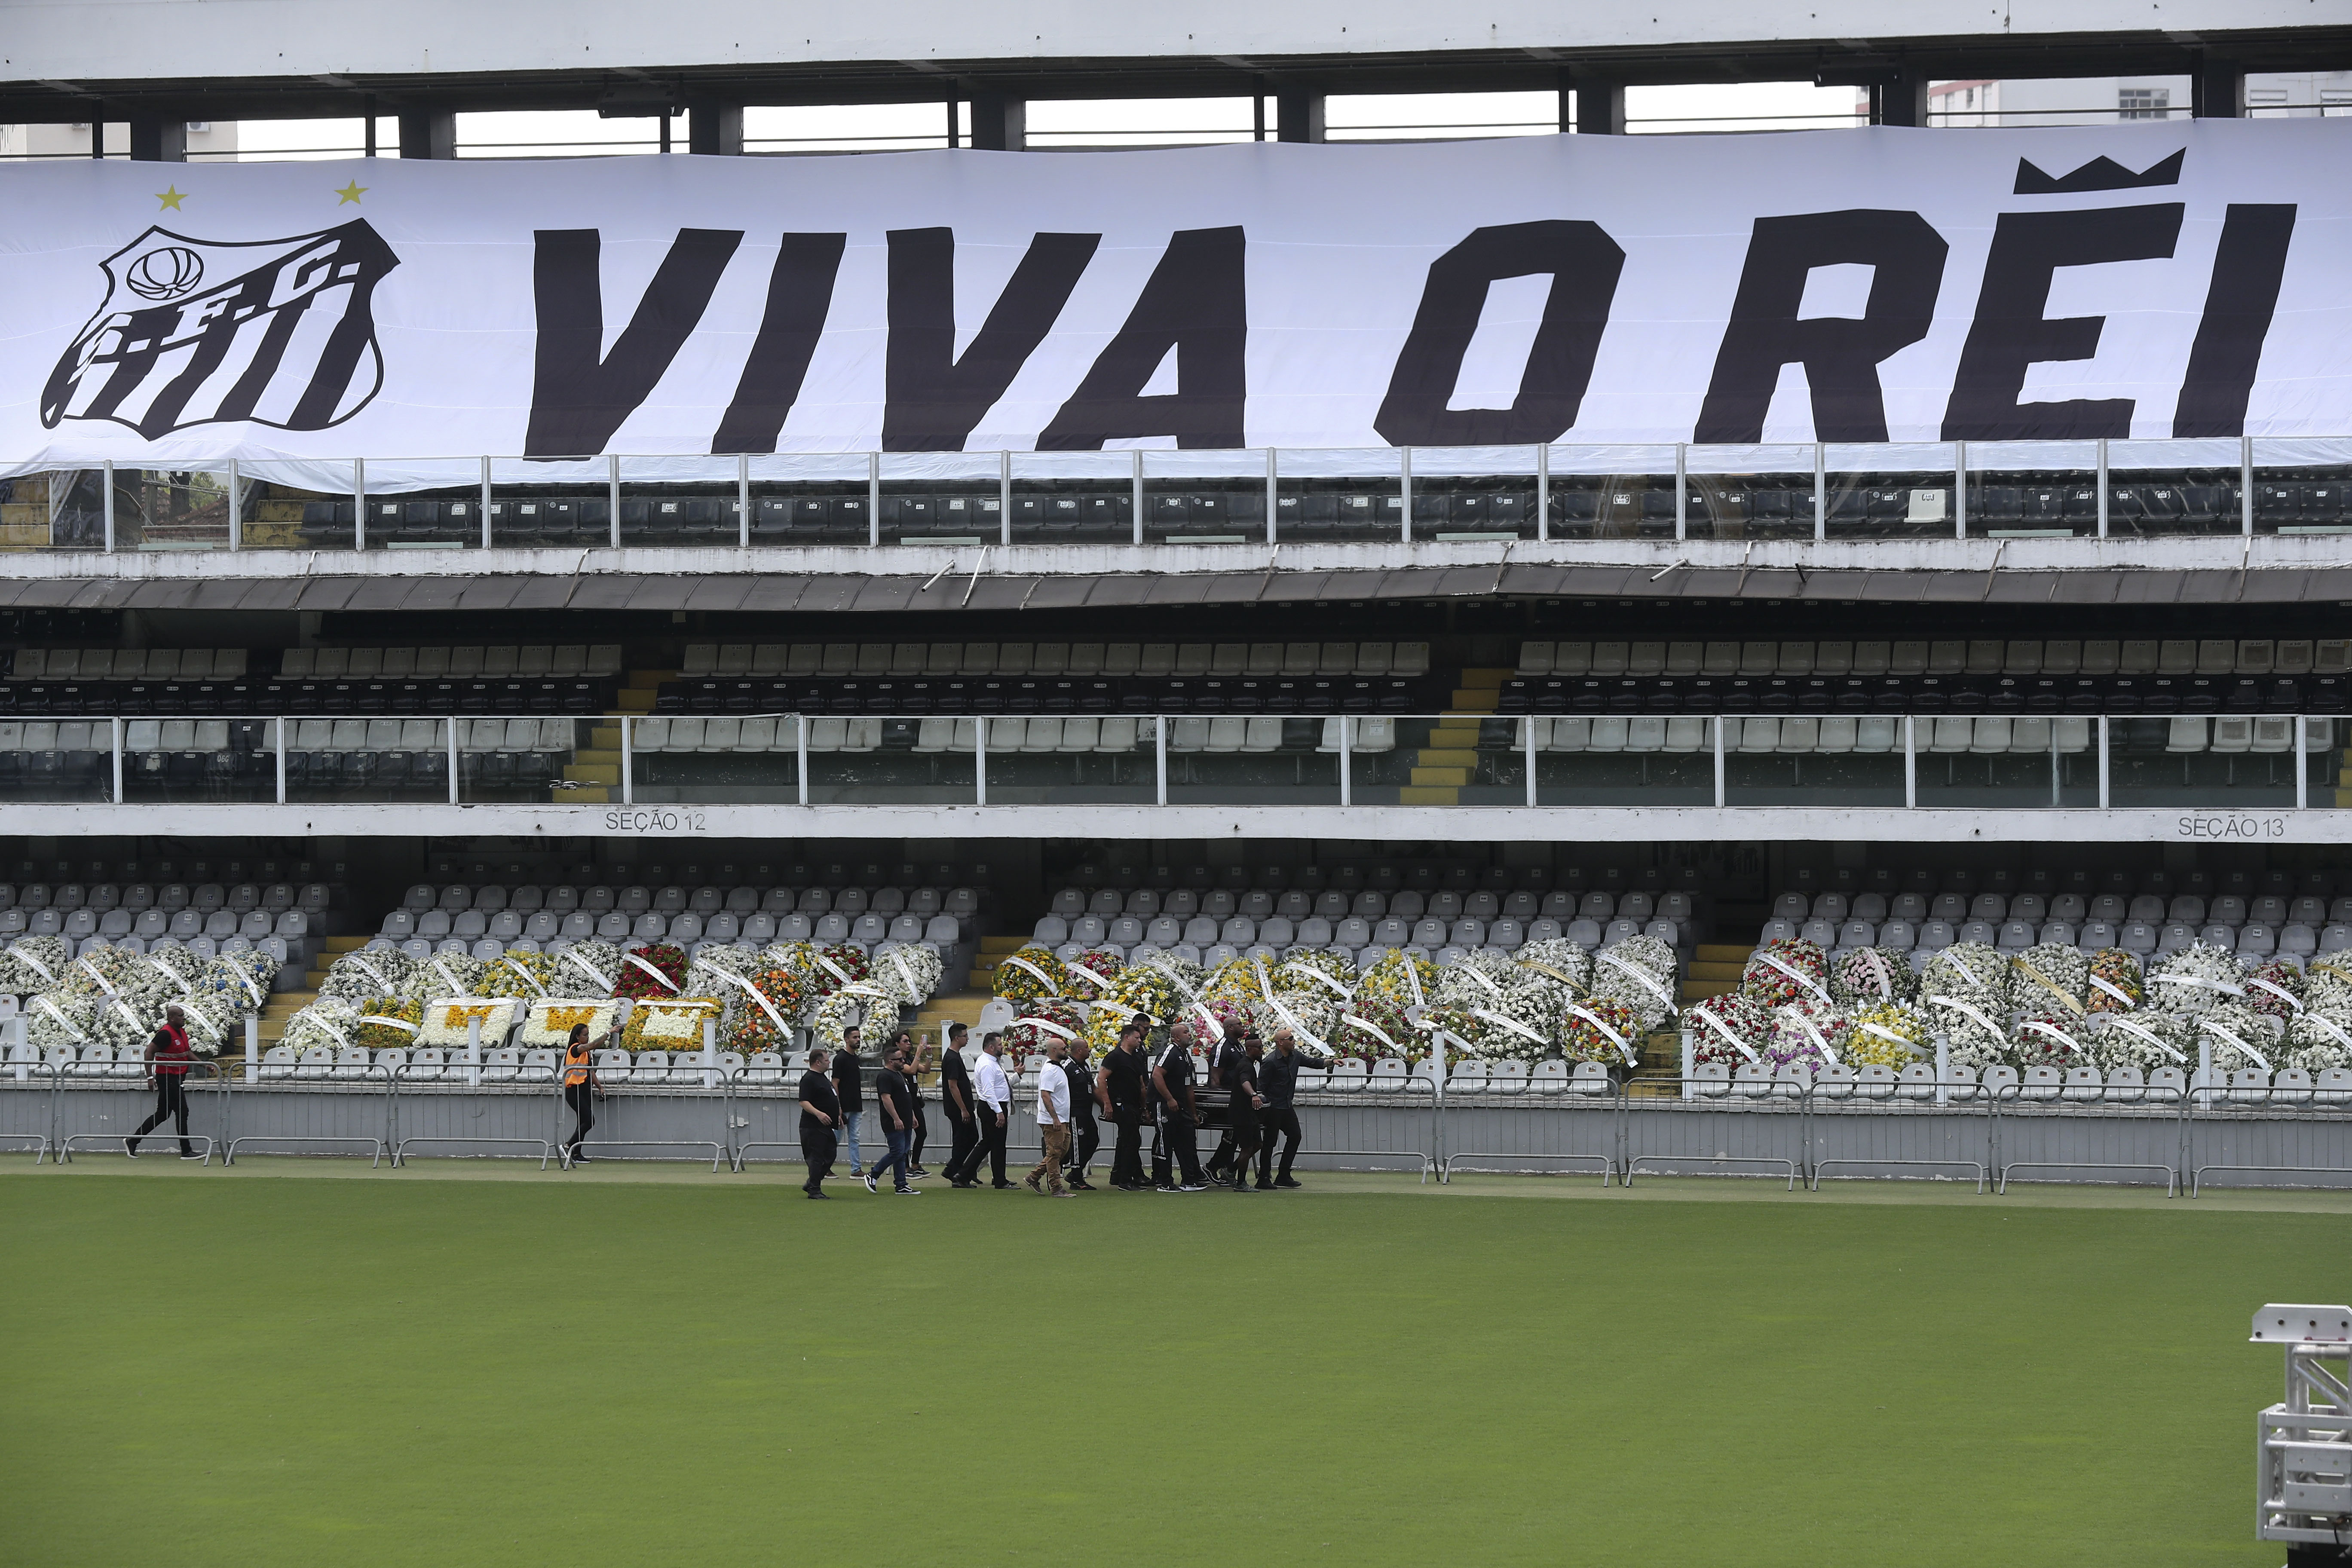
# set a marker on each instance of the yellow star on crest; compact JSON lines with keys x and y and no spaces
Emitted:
{"x":351,"y":192}
{"x":172,"y":196}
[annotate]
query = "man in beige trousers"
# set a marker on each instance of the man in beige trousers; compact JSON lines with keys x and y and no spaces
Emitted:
{"x":1053,"y":1122}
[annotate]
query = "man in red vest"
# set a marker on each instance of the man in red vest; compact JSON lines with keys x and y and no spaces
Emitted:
{"x":167,"y":1064}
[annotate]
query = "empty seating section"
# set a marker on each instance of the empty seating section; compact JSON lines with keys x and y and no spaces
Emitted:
{"x":576,"y":678}
{"x":1362,"y":912}
{"x":488,"y":918}
{"x":1017,"y":678}
{"x":2256,"y":914}
{"x":1929,"y":677}
{"x":287,"y":918}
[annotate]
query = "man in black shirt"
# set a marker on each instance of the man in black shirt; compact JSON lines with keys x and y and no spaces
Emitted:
{"x":820,"y":1112}
{"x":955,"y":1094}
{"x":894,"y":1089}
{"x":847,"y":1083}
{"x":1123,"y":1091}
{"x":1086,"y":1137}
{"x":1180,"y":1116}
{"x":1226,"y":1066}
{"x":1277,"y":1085}
{"x":1241,"y":1082}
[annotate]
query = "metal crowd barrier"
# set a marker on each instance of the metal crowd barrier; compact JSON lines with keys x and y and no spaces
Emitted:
{"x":213,"y":1103}
{"x":433,"y":1114}
{"x":29,"y":1102}
{"x":325,"y":1100}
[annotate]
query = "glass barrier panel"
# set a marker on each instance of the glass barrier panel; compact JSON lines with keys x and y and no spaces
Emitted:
{"x":817,"y":498}
{"x":2159,"y":488}
{"x":170,"y":509}
{"x":1991,"y":759}
{"x":1607,"y":759}
{"x":1204,"y":498}
{"x":61,"y":511}
{"x":1729,"y":492}
{"x":1470,"y":495}
{"x":1257,"y":759}
{"x":525,"y":759}
{"x":1329,"y":496}
{"x":278,"y":516}
{"x":744,"y":760}
{"x":357,"y":759}
{"x":1900,"y":491}
{"x":672,"y":501}
{"x":2032,"y":489}
{"x":2324,"y":740}
{"x":1612,"y":492}
{"x":542,"y":505}
{"x":1806,"y":759}
{"x":2219,"y":761}
{"x":1074,"y":498}
{"x":2299,"y":492}
{"x":182,"y":760}
{"x":873,"y":761}
{"x":1039,"y":759}
{"x":60,"y":760}
{"x":942,"y":498}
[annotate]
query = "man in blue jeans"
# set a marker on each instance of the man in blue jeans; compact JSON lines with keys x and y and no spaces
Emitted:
{"x":847,"y":1080}
{"x":894,"y":1090}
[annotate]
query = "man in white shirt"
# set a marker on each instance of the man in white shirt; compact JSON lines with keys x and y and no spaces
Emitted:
{"x":1053,"y":1122}
{"x":994,"y":1092}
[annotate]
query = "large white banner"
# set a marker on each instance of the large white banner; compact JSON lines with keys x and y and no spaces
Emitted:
{"x":2159,"y":280}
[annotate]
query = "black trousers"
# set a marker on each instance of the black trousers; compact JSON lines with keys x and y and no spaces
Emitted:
{"x":582,"y":1099}
{"x":963,"y":1149}
{"x":1176,"y":1152}
{"x":922,"y":1126}
{"x":171,"y":1103}
{"x":991,"y":1147}
{"x":1127,"y":1154}
{"x":1274,"y":1124}
{"x":1086,"y":1142}
{"x":817,"y":1146}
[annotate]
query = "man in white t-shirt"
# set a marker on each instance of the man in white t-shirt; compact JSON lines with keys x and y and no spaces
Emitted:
{"x":1053,"y":1122}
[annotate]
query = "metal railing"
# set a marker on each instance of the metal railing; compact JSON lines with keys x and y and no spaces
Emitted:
{"x":1659,"y":491}
{"x":2226,"y":762}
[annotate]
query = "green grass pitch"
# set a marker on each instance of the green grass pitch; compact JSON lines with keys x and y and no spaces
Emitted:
{"x":204,"y":1369}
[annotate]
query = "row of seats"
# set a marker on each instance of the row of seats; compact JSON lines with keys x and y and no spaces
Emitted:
{"x":113,"y":925}
{"x":1277,"y":935}
{"x":270,"y":695}
{"x":128,"y":664}
{"x":678,"y":734}
{"x":286,"y":951}
{"x":2226,"y":908}
{"x":2252,"y":940}
{"x":675,"y":898}
{"x":1944,"y":734}
{"x":594,"y":660}
{"x":148,"y":736}
{"x":1332,"y":904}
{"x":169,"y":897}
{"x":790,"y":660}
{"x":2212,"y":656}
{"x":509,"y":926}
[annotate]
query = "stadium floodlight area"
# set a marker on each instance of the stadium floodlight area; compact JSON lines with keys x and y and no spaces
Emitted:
{"x":2304,"y":1445}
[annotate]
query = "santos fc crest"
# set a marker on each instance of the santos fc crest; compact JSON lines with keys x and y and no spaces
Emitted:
{"x":194,"y":332}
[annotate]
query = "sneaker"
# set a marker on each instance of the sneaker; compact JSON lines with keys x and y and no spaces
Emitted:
{"x":908,"y":1192}
{"x":1263,"y":1187}
{"x":1286,"y":1182}
{"x":1175,"y":1189}
{"x":1192,"y":1187}
{"x":1003,"y":1186}
{"x":192,"y":1156}
{"x":578,"y":1158}
{"x":869,"y":1181}
{"x":1065,"y":1193}
{"x":1031,"y":1183}
{"x":131,"y":1150}
{"x":1082,"y":1186}
{"x":917,"y":1170}
{"x":821,"y":1194}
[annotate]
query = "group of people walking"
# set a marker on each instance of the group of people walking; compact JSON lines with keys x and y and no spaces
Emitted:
{"x":1131,"y":1088}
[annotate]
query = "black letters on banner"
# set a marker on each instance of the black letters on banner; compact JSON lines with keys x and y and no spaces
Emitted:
{"x":1196,"y":303}
{"x":799,"y":293}
{"x":1584,"y":263}
{"x":2248,"y":267}
{"x":934,"y":399}
{"x":1841,"y":354}
{"x":580,"y":396}
{"x":2010,"y":333}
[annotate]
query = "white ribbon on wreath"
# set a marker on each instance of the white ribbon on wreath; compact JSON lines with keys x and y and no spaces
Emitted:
{"x":2126,"y":998}
{"x":1662,"y":995}
{"x":663,"y":980}
{"x":760,"y":996}
{"x":1338,"y":987}
{"x":1990,"y":1027}
{"x":1014,"y":959}
{"x":508,"y":959}
{"x":2260,"y":1060}
{"x":1724,"y":1029}
{"x":2052,"y":1032}
{"x":27,"y":954}
{"x":2223,"y":986}
{"x":2281,"y":992}
{"x":1614,"y":1037}
{"x":1774,"y":960}
{"x":388,"y":987}
{"x":591,"y":971}
{"x":2118,"y":1022}
{"x":1511,"y":1024}
{"x":1821,"y":1041}
{"x":68,"y":1024}
{"x":2328,"y":1024}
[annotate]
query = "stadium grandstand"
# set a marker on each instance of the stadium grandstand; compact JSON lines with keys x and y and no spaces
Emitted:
{"x":1737,"y":592}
